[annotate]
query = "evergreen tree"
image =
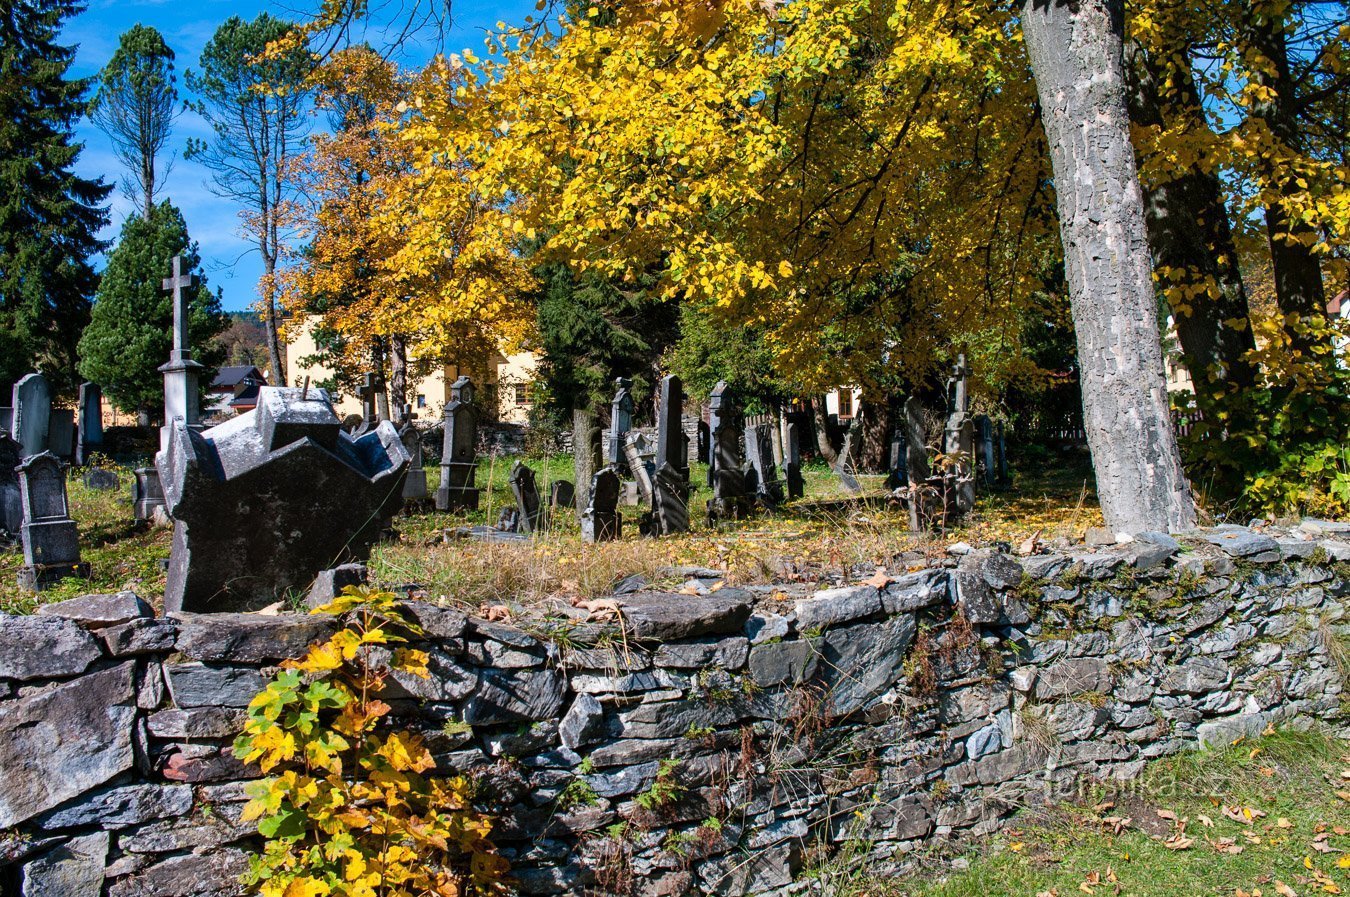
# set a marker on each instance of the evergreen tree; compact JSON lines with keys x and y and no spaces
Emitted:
{"x":49,"y":216}
{"x":130,"y":333}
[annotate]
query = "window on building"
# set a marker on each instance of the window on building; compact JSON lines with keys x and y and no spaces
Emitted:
{"x":523,"y":394}
{"x":421,"y":401}
{"x":845,"y":403}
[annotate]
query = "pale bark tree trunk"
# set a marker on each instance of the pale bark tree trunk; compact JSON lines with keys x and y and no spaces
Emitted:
{"x":585,"y":434}
{"x":398,"y":376}
{"x":1076,"y":53}
{"x":822,"y":420}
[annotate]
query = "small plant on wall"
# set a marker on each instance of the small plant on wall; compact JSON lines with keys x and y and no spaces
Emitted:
{"x":347,"y":809}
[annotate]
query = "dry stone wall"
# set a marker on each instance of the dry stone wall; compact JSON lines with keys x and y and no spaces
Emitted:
{"x":720,"y":743}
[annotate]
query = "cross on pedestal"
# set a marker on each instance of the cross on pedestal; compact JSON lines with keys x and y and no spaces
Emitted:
{"x":180,"y":281}
{"x":366,"y":391}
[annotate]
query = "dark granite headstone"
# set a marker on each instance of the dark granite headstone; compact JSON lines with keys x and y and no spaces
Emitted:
{"x":533,"y":513}
{"x":670,"y":503}
{"x":726,"y":463}
{"x":897,"y":461}
{"x":89,"y":423}
{"x":101,"y":479}
{"x":32,"y":413}
{"x":265,"y":501}
{"x":761,"y":473}
{"x":1001,"y":446}
{"x":672,"y":445}
{"x":602,"y":522}
{"x":792,"y":465}
{"x":11,"y":504}
{"x":620,"y":422}
{"x":703,"y":441}
{"x":459,"y":450}
{"x":415,"y":486}
{"x":51,"y":543}
{"x":562,"y":495}
{"x":984,"y":441}
{"x":61,"y":433}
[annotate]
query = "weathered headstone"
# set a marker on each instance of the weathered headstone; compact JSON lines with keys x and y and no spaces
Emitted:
{"x":984,"y":437}
{"x":702,"y":441}
{"x":101,"y":479}
{"x":61,"y":433}
{"x":638,"y":456}
{"x":1001,"y":446}
{"x":620,"y":422}
{"x":146,"y":493}
{"x":11,"y":503}
{"x":726,"y":463}
{"x":533,"y":513}
{"x":32,"y":413}
{"x":672,"y":445}
{"x":916,"y":460}
{"x":761,"y":474}
{"x":415,"y":486}
{"x":562,"y":495}
{"x":265,"y":501}
{"x":459,"y":450}
{"x":51,"y":543}
{"x":959,"y":438}
{"x":181,"y":397}
{"x":897,"y":461}
{"x":670,"y":501}
{"x":89,"y":423}
{"x":601,"y":521}
{"x":792,"y":467}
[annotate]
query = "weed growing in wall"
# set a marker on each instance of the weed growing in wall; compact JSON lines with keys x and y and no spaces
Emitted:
{"x":347,"y":809}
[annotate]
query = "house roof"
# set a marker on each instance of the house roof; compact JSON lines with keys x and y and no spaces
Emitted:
{"x":229,"y":378}
{"x":247,"y":393}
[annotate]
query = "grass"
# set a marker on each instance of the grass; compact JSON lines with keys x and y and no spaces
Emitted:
{"x":1266,"y":816}
{"x":828,"y":533}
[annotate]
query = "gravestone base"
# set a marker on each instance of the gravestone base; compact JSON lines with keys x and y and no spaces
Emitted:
{"x":147,"y":494}
{"x":415,"y":486}
{"x":599,"y":526}
{"x":37,"y":577}
{"x":101,"y":479}
{"x":729,"y":509}
{"x":453,"y":498}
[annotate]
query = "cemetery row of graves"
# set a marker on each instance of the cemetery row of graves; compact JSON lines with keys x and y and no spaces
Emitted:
{"x":255,"y":508}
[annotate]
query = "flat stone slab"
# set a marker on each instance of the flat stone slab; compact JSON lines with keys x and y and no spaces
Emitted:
{"x":99,"y":611}
{"x":665,"y":615}
{"x":248,"y":638}
{"x":121,"y":806}
{"x":1240,"y":542}
{"x":64,"y":741}
{"x":44,"y":647}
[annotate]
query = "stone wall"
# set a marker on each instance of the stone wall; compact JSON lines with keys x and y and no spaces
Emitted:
{"x":718,"y":742}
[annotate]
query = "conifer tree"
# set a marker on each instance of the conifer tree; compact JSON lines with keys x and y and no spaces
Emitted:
{"x":129,"y":334}
{"x":49,"y":216}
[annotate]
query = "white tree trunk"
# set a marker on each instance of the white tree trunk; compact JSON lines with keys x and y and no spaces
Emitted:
{"x":1076,"y":53}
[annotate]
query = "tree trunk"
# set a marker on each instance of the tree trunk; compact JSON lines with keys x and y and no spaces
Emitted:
{"x":278,"y":370}
{"x":1076,"y":54}
{"x":876,"y":434}
{"x":1298,"y":273}
{"x":583,"y":459}
{"x":822,"y":421}
{"x":1189,"y":232}
{"x":398,"y":376}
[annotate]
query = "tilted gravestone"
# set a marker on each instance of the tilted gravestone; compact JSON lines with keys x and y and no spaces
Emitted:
{"x":532,"y":511}
{"x":761,"y":474}
{"x":11,"y":504}
{"x":726,"y":463}
{"x":792,"y":465}
{"x":459,"y":450}
{"x":32,"y":414}
{"x":638,"y":456}
{"x":620,"y":422}
{"x":89,"y":423}
{"x":562,"y":495}
{"x":601,"y":521}
{"x":51,"y":543}
{"x":265,"y":501}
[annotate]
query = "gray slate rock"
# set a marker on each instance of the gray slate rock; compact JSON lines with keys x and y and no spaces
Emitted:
{"x":831,"y":607}
{"x":198,"y":684}
{"x":727,"y":653}
{"x":64,"y":741}
{"x":766,"y":627}
{"x":98,"y":611}
{"x":859,"y":663}
{"x":74,"y":869}
{"x":44,"y":648}
{"x":1196,"y":676}
{"x":508,"y":696}
{"x":145,"y":636}
{"x":436,"y":621}
{"x":210,"y":874}
{"x":1073,"y":677}
{"x":1240,"y":542}
{"x":121,"y":806}
{"x":583,"y":722}
{"x":916,"y":590}
{"x":196,"y":723}
{"x":250,"y":638}
{"x":665,"y":616}
{"x":780,"y":662}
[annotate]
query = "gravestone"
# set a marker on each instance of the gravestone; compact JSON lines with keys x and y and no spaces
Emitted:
{"x":32,"y":414}
{"x":264,"y":502}
{"x":984,"y":439}
{"x":533,"y":513}
{"x":459,"y":450}
{"x":89,"y":423}
{"x":1001,"y":447}
{"x":11,"y":503}
{"x":959,"y":438}
{"x":670,"y":501}
{"x":415,"y":486}
{"x":146,"y":493}
{"x":601,"y":521}
{"x":638,"y":456}
{"x":672,"y":445}
{"x":51,"y":543}
{"x":897,"y":461}
{"x":725,"y":468}
{"x":61,"y":433}
{"x":792,"y":468}
{"x":702,"y":441}
{"x":101,"y":479}
{"x":366,"y":392}
{"x":620,"y":422}
{"x":761,"y":474}
{"x":181,"y":397}
{"x":916,"y":460}
{"x":562,"y":495}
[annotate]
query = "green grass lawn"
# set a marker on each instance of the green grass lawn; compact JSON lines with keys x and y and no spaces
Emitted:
{"x":806,"y":540}
{"x":1269,"y":816}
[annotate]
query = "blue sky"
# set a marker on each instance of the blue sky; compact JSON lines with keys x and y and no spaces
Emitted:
{"x":187,"y":26}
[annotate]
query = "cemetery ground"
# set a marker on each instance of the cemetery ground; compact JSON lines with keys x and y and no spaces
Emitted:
{"x":829,"y":530}
{"x":1264,"y":816}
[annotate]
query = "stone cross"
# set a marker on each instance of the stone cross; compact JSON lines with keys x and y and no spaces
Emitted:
{"x":958,"y":399}
{"x":366,"y":391}
{"x":459,"y":450}
{"x":415,"y":486}
{"x":620,"y":421}
{"x":180,"y":373}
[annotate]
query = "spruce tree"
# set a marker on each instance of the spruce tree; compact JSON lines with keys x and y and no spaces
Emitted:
{"x":49,"y":216}
{"x":130,"y":332}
